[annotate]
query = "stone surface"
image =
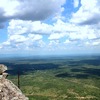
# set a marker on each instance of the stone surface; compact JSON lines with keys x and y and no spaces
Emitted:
{"x":3,"y":68}
{"x":9,"y":91}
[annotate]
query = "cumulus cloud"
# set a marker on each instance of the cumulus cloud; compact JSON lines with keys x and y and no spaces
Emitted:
{"x":93,"y":43}
{"x":36,"y":27}
{"x":88,"y":14}
{"x":20,"y":42}
{"x":92,"y":20}
{"x":83,"y":33}
{"x":24,"y":31}
{"x":67,"y":42}
{"x":56,"y":36}
{"x":17,"y":39}
{"x":26,"y":27}
{"x":29,"y":10}
{"x":30,"y":32}
{"x":76,"y":3}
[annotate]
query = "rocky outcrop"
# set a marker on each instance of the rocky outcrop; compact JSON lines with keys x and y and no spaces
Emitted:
{"x":3,"y":68}
{"x":9,"y":91}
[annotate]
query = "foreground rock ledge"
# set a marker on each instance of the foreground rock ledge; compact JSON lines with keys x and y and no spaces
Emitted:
{"x":9,"y":91}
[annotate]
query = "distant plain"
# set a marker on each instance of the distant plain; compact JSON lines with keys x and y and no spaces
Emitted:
{"x":56,"y":78}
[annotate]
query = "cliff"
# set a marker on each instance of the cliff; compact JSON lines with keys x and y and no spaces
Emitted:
{"x":9,"y":91}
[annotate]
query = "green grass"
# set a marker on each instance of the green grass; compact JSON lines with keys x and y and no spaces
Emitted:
{"x":77,"y":82}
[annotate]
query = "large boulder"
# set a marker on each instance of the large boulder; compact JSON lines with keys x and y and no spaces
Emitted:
{"x":9,"y":91}
{"x":3,"y":68}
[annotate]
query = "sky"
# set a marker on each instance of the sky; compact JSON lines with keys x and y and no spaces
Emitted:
{"x":49,"y":27}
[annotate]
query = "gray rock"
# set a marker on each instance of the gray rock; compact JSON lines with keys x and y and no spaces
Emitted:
{"x":9,"y":91}
{"x":3,"y":68}
{"x":5,"y":75}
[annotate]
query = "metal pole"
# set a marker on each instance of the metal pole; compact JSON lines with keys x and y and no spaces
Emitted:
{"x":18,"y":79}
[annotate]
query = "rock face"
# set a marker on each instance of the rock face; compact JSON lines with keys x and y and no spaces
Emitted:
{"x":9,"y":91}
{"x":3,"y":68}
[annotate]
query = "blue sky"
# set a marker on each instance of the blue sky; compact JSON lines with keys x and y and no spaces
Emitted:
{"x":49,"y":27}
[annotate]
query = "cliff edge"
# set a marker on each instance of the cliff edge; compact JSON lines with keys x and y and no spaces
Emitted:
{"x":9,"y":91}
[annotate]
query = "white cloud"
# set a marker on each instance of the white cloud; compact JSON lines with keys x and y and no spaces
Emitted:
{"x":76,"y":3}
{"x":67,"y":41}
{"x":28,"y":31}
{"x":24,"y":27}
{"x":34,"y":37}
{"x":93,"y":43}
{"x":31,"y":33}
{"x":53,"y":45}
{"x":88,"y":13}
{"x":17,"y":41}
{"x":29,"y":10}
{"x":61,"y":26}
{"x":83,"y":33}
{"x":18,"y":27}
{"x":56,"y":36}
{"x":96,"y":43}
{"x":9,"y":7}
